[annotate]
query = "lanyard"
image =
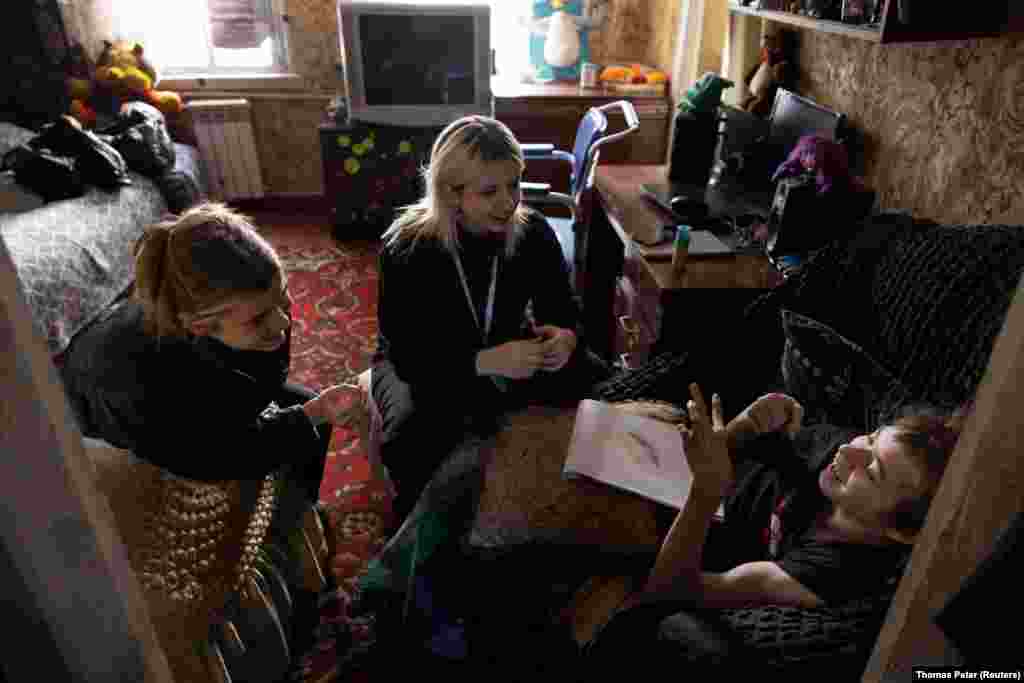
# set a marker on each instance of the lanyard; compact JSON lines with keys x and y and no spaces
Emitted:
{"x":485,"y":329}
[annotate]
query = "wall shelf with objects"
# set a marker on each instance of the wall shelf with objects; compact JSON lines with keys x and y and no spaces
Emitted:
{"x":905,"y":21}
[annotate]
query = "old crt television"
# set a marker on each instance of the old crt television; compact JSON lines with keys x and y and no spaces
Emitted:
{"x":416,"y":64}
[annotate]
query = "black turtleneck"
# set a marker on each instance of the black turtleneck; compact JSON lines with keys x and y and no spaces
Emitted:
{"x":425,"y":327}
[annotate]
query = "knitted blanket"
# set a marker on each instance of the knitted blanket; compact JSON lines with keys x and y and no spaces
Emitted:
{"x":925,"y":300}
{"x":928,"y":301}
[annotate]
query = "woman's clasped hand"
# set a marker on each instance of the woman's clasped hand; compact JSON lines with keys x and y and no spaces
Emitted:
{"x":548,"y":351}
{"x":557,"y":344}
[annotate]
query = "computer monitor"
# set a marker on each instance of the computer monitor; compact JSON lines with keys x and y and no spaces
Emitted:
{"x":793,"y":116}
{"x":412,"y":64}
{"x":753,"y":147}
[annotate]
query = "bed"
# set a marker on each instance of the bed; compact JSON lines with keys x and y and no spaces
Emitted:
{"x":74,"y":256}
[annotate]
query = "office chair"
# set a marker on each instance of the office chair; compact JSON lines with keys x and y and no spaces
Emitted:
{"x":591,"y":135}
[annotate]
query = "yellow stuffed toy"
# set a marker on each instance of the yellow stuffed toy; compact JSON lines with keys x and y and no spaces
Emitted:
{"x":122,"y":74}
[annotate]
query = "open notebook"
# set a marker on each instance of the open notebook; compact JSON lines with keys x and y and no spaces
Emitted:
{"x":631,"y":452}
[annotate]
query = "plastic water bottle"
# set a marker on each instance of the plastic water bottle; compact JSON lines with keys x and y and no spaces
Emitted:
{"x":680,"y":254}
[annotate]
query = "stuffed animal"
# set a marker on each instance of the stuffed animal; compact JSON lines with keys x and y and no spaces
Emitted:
{"x":775,"y":69}
{"x":122,"y":74}
{"x":559,"y":31}
{"x":704,"y":96}
{"x":826,"y":160}
{"x":81,"y":71}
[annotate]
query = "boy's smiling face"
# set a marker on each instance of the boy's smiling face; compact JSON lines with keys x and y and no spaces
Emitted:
{"x":871,"y":475}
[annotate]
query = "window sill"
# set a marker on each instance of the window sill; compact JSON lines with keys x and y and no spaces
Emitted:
{"x":198,"y":83}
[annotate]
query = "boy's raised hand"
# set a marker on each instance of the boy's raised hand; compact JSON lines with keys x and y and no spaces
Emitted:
{"x":706,"y":447}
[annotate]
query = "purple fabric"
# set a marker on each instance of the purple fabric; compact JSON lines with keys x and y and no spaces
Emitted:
{"x":826,"y":159}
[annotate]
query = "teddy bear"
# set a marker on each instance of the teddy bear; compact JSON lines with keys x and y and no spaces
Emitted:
{"x":121,"y":74}
{"x":775,"y":69}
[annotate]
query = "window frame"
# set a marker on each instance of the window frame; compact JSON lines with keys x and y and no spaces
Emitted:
{"x":212,"y":77}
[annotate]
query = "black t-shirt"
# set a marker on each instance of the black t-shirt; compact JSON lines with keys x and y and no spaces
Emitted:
{"x":781,"y":480}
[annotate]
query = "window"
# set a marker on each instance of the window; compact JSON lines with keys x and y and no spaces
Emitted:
{"x":509,"y":37}
{"x":237,"y":38}
{"x":206,"y":37}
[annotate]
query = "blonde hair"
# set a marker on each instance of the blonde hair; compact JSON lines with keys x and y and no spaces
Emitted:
{"x":196,"y":265}
{"x":455,"y":159}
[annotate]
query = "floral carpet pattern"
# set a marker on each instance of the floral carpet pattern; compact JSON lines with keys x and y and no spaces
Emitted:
{"x":334,"y":290}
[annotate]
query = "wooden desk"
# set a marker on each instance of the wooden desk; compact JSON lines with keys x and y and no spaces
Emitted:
{"x":632,"y":302}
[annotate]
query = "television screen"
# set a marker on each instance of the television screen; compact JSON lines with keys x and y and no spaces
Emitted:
{"x":418,"y":60}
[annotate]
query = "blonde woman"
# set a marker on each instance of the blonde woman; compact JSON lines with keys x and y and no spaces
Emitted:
{"x":476,"y":312}
{"x":190,"y":371}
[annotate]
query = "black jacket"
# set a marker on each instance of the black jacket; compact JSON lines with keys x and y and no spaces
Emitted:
{"x":427,"y":330}
{"x":194,"y":406}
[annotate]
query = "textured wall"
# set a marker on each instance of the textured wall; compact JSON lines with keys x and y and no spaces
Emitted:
{"x":638,"y":31}
{"x":289,"y":144}
{"x":314,"y":43}
{"x":663,"y":43}
{"x":286,"y":125}
{"x":716,"y":26}
{"x":943,"y":124}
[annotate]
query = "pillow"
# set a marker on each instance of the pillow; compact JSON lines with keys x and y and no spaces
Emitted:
{"x":525,"y":499}
{"x":834,"y":378}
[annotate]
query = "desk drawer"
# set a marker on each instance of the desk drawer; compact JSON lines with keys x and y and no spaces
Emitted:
{"x":647,"y":292}
{"x":634,"y":335}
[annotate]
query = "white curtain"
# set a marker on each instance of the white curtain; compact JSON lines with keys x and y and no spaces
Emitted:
{"x":509,"y":37}
{"x":239,"y":24}
{"x":173,"y":33}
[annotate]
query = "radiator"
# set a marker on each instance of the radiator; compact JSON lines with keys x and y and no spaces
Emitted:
{"x":224,"y":132}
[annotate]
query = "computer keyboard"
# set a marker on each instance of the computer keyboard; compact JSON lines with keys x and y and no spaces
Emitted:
{"x":652,"y":381}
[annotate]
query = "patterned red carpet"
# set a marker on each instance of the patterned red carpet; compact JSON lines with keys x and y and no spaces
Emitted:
{"x":334,"y":287}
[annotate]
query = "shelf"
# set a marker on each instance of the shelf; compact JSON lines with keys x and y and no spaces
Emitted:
{"x":873,"y":33}
{"x":937,"y":23}
{"x":509,"y":88}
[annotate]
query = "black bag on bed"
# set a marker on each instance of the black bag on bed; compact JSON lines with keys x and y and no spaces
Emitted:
{"x":140,"y":135}
{"x":49,"y":175}
{"x":98,"y":162}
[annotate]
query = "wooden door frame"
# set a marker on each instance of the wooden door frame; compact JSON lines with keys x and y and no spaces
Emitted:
{"x":65,"y":568}
{"x":981,"y":491}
